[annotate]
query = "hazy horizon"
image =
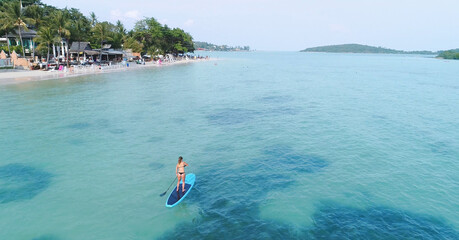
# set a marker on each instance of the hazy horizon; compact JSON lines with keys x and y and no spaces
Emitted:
{"x":293,"y":25}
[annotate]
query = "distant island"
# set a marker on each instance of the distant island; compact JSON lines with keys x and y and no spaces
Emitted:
{"x":450,"y":54}
{"x":359,"y":48}
{"x":204,"y":46}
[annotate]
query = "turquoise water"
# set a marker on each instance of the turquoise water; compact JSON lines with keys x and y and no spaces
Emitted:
{"x":284,"y":146}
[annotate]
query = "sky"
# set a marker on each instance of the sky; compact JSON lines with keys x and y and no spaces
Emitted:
{"x":292,"y":25}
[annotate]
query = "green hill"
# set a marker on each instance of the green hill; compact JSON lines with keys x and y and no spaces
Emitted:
{"x":358,"y":48}
{"x":450,"y":54}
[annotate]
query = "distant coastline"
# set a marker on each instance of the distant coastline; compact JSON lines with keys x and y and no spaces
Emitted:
{"x":205,"y":46}
{"x":359,"y":48}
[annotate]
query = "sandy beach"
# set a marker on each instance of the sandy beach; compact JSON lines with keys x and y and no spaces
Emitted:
{"x":8,"y":77}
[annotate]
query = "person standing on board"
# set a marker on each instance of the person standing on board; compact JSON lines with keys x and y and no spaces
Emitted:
{"x":180,"y":172}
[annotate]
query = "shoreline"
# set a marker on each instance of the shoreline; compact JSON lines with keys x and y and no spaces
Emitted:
{"x":24,"y":76}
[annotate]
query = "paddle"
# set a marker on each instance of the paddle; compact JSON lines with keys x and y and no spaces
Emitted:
{"x":164,"y":193}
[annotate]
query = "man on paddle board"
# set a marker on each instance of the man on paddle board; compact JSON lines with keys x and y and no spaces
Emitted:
{"x":180,"y":172}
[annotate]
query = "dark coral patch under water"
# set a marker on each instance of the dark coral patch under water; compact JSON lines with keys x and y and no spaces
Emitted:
{"x":338,"y":222}
{"x":21,"y":182}
{"x":230,"y":207}
{"x":46,"y":237}
{"x":241,"y":220}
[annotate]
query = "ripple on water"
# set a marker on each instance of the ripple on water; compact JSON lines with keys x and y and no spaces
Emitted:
{"x":440,"y":148}
{"x":102,"y":123}
{"x":283,"y":111}
{"x":276,"y":99}
{"x":231,"y":116}
{"x":76,"y":141}
{"x":21,"y":182}
{"x":284,"y":158}
{"x":155,"y":165}
{"x":79,"y":125}
{"x":117,"y":131}
{"x":155,"y":139}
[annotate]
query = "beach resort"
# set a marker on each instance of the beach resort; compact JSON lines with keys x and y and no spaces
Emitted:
{"x":39,"y":42}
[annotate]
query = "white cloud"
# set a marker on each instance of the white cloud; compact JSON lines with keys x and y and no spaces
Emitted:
{"x":189,"y":22}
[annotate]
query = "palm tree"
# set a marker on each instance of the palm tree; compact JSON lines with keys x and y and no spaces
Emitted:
{"x":13,"y":14}
{"x":46,"y":37}
{"x":78,"y":31}
{"x":61,"y":22}
{"x":7,"y":27}
{"x":102,"y":33}
{"x":119,"y":33}
{"x":93,"y":18}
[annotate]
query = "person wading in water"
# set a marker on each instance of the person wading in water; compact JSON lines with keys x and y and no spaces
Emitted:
{"x":180,"y":172}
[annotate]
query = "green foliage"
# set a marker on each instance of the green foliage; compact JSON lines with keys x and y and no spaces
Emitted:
{"x":36,"y":13}
{"x":148,"y":35}
{"x":159,"y":39}
{"x":358,"y":48}
{"x":46,"y":37}
{"x":61,"y":21}
{"x":18,"y":49}
{"x":450,"y":54}
{"x":12,"y":16}
{"x":103,"y":32}
{"x":149,"y":32}
{"x":132,"y":43}
{"x":118,"y":35}
{"x":25,"y":3}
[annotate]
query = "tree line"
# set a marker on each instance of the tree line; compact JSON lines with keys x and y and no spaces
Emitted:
{"x":224,"y":48}
{"x":53,"y":25}
{"x":450,"y":54}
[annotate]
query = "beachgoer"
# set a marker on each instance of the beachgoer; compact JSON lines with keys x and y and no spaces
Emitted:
{"x":180,"y":172}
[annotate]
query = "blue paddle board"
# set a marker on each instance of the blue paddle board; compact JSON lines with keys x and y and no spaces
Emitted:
{"x":176,"y":197}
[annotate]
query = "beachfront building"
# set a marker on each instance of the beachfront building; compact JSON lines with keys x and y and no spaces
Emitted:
{"x":87,"y":53}
{"x":13,"y":39}
{"x":84,"y":50}
{"x":58,"y":50}
{"x":110,"y":55}
{"x":129,"y":55}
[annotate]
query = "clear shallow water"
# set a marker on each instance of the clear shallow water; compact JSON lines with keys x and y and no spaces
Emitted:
{"x":284,"y":145}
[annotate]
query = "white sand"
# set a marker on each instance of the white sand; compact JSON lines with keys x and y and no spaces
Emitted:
{"x":20,"y":76}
